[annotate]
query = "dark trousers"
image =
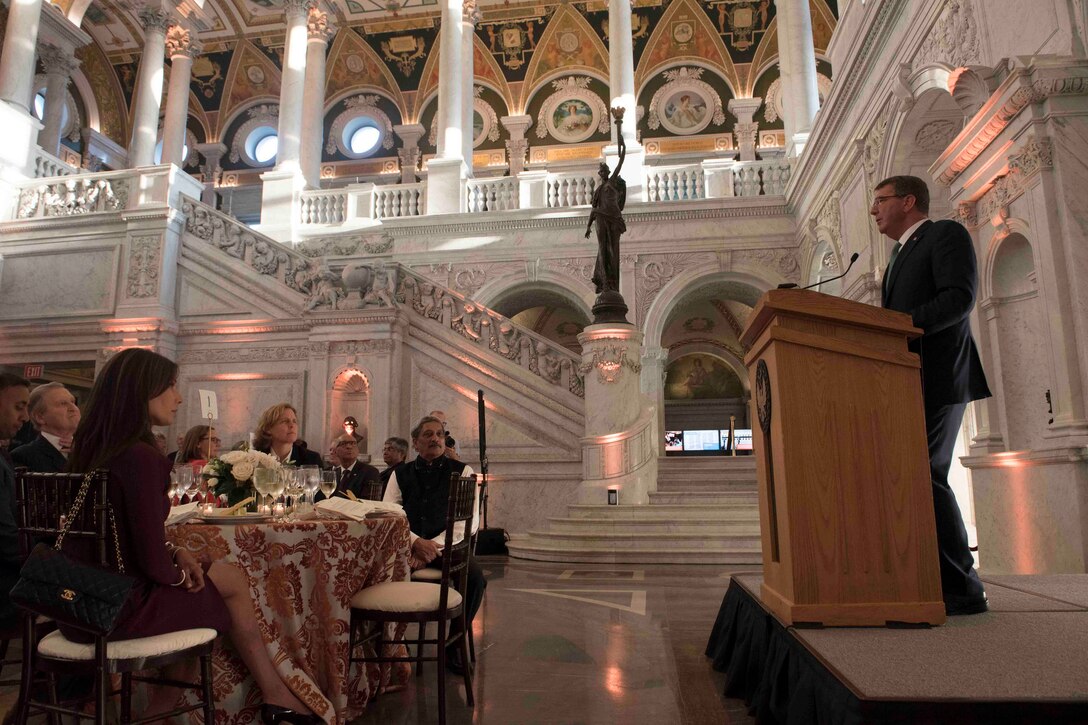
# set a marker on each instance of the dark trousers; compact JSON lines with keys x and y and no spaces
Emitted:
{"x":476,"y":585}
{"x":959,"y":581}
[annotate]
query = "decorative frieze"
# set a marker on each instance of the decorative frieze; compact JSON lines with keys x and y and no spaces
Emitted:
{"x":143,"y":267}
{"x":73,"y":196}
{"x":936,"y":135}
{"x":609,"y":362}
{"x":1035,"y":155}
{"x":654,"y":271}
{"x":954,"y":39}
{"x":782,"y":261}
{"x":360,"y":347}
{"x":241,"y":353}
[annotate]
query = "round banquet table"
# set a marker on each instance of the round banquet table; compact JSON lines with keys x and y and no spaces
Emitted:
{"x":302,"y":575}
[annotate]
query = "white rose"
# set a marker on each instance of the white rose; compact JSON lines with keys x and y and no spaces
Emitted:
{"x":265,"y":460}
{"x":207,"y":469}
{"x":242,"y":470}
{"x":232,"y":457}
{"x":213,"y":482}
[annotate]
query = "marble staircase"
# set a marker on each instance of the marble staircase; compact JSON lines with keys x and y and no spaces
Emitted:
{"x":705,"y":511}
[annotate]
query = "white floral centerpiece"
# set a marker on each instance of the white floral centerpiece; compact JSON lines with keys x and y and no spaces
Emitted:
{"x":231,"y":474}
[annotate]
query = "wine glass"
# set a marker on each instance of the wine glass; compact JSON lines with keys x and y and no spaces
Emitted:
{"x":184,"y":481}
{"x":172,"y":491}
{"x":328,"y":483}
{"x":294,"y":485}
{"x":312,"y":480}
{"x":265,"y":480}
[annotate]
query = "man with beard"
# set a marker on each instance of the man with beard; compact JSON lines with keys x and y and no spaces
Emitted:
{"x":422,"y":487}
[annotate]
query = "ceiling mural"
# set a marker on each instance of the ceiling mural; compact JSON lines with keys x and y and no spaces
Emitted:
{"x":714,"y":49}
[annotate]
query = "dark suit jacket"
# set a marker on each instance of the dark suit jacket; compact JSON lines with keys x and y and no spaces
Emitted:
{"x":357,"y":480}
{"x":40,"y":456}
{"x":934,"y":279}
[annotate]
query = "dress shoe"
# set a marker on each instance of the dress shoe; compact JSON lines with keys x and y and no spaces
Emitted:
{"x":273,"y":714}
{"x":958,"y":607}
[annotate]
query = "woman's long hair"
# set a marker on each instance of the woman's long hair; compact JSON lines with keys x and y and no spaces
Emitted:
{"x":192,"y":449}
{"x":271,"y":416}
{"x":117,"y":414}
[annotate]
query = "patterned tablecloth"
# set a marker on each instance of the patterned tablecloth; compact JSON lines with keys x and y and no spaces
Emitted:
{"x":302,"y":576}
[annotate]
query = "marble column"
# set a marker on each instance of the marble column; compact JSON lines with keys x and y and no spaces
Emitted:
{"x":746,"y":129}
{"x":292,"y":84}
{"x":318,"y":32}
{"x":655,"y":360}
{"x":446,"y":171}
{"x":517,"y":147}
{"x":409,"y":134}
{"x":20,"y":44}
{"x":212,"y":154}
{"x":621,"y":83}
{"x":59,"y":65}
{"x":181,"y":47}
{"x":801,"y":98}
{"x":470,"y":15}
{"x":145,"y":117}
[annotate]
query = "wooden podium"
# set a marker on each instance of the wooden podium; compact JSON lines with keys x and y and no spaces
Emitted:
{"x":845,"y":498}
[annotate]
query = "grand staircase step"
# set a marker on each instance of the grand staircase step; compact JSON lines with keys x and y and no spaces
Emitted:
{"x":721,"y":554}
{"x":705,"y":485}
{"x":704,"y":497}
{"x":709,"y":527}
{"x":720,"y":512}
{"x":650,"y":541}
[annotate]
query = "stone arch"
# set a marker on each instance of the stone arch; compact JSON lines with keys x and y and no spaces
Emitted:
{"x":581,"y":296}
{"x":999,"y":262}
{"x":349,"y":394}
{"x":735,"y":363}
{"x":689,"y":281}
{"x":548,"y":309}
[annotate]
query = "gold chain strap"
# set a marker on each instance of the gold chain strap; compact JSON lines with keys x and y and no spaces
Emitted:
{"x":77,"y":505}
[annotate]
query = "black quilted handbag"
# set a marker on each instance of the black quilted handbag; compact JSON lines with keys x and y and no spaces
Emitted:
{"x":82,"y":596}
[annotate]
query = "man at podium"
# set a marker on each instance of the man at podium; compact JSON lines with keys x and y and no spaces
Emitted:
{"x":932,"y":275}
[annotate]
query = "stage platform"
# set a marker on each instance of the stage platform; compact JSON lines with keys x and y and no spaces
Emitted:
{"x":1024,"y":661}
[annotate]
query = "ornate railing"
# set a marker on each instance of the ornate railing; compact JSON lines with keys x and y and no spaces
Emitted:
{"x":499,"y":194}
{"x":675,"y":183}
{"x":398,"y":200}
{"x":570,"y":189}
{"x":75,"y":195}
{"x":755,"y":178}
{"x":324,"y":207}
{"x":383,"y":284}
{"x":47,"y":165}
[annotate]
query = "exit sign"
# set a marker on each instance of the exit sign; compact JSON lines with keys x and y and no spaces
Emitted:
{"x":33,"y":371}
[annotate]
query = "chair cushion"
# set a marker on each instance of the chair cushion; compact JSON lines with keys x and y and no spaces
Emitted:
{"x":57,"y":646}
{"x":427,"y":575}
{"x":403,"y":597}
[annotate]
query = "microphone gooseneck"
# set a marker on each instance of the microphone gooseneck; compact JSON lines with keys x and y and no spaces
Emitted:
{"x":791,"y":285}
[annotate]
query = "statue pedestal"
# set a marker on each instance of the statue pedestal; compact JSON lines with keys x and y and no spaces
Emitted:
{"x":610,"y":309}
{"x":619,"y":450}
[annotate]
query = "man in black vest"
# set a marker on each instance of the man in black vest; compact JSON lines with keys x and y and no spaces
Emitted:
{"x":422,"y":487}
{"x":932,"y":275}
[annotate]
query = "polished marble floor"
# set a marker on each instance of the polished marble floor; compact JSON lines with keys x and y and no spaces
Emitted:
{"x":580,"y":644}
{"x":584,"y":644}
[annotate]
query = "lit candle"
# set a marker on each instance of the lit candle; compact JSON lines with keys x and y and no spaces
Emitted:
{"x":207,"y":509}
{"x":279,"y":510}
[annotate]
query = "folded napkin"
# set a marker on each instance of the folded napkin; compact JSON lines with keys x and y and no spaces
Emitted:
{"x":181,"y":514}
{"x":357,"y":510}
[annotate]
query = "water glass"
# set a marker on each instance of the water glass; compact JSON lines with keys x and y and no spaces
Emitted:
{"x":328,"y":483}
{"x":264,"y":481}
{"x":311,"y":480}
{"x":184,"y":475}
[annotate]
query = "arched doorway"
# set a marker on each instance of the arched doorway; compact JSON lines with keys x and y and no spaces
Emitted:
{"x":555,"y":314}
{"x":349,"y":397}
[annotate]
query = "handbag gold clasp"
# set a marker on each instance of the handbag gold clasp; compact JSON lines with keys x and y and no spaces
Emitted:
{"x":67,"y":595}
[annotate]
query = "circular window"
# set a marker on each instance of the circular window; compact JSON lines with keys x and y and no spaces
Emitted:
{"x":365,"y":139}
{"x":39,"y":105}
{"x":262,"y":144}
{"x":361,"y":136}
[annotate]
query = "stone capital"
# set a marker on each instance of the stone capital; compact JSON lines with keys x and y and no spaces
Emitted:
{"x":318,"y":27}
{"x":517,"y":125}
{"x":57,"y":60}
{"x":154,"y":19}
{"x":180,"y":41}
{"x":294,"y":9}
{"x":744,"y":108}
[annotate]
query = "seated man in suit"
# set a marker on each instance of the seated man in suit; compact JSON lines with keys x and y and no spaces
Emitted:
{"x":14,"y":396}
{"x":422,"y":486}
{"x":351,"y":474}
{"x":394,"y":453}
{"x":53,"y":411}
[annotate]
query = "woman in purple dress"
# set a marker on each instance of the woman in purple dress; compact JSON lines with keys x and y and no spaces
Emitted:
{"x":136,"y":390}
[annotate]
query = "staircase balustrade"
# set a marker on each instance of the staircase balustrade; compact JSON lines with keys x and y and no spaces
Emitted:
{"x":755,"y":178}
{"x":499,"y":194}
{"x":675,"y":183}
{"x":47,"y":165}
{"x":570,"y":189}
{"x":398,"y":200}
{"x":323,"y":206}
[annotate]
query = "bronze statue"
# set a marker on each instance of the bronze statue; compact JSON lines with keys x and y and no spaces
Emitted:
{"x":608,"y":202}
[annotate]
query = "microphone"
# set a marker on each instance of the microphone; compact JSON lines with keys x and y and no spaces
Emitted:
{"x":483,"y":430}
{"x":791,"y":285}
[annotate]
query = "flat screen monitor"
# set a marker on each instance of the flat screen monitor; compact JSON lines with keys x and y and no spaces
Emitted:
{"x":702,"y":440}
{"x":744,"y":438}
{"x":674,"y":440}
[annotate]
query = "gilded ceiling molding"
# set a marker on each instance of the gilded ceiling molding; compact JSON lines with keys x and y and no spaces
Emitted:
{"x":353,"y":67}
{"x":706,"y":47}
{"x":252,"y":76}
{"x":565,"y":29}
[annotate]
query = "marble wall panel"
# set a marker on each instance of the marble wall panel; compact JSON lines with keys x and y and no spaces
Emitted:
{"x":1025,"y":371}
{"x":242,"y":397}
{"x":59,"y":283}
{"x":520,"y":506}
{"x":1006,"y":34}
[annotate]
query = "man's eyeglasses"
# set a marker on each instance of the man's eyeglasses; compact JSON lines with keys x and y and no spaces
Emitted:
{"x":880,"y":199}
